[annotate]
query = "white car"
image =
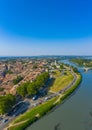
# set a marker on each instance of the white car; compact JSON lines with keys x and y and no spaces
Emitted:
{"x":46,"y":98}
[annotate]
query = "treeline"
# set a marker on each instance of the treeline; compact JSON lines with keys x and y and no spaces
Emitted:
{"x":32,"y":88}
{"x":75,"y":69}
{"x":6,"y":103}
{"x":78,"y":61}
{"x":17,"y":80}
{"x":82,"y":62}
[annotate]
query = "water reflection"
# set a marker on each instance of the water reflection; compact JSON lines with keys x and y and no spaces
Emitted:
{"x":57,"y":127}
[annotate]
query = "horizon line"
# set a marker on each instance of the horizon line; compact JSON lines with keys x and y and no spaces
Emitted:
{"x":40,"y":55}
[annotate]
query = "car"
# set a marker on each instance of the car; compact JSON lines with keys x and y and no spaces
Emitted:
{"x":5,"y":120}
{"x":46,"y":98}
{"x":1,"y":118}
{"x":35,"y":97}
{"x":16,"y":114}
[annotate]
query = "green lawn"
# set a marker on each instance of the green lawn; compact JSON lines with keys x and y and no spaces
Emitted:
{"x":56,"y":73}
{"x":61,"y":82}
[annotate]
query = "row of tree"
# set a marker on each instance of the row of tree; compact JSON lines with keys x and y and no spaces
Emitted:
{"x":6,"y":103}
{"x":17,"y":80}
{"x":32,"y":88}
{"x":75,"y":69}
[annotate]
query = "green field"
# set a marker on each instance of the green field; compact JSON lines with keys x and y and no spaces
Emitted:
{"x":70,"y":90}
{"x":61,"y":82}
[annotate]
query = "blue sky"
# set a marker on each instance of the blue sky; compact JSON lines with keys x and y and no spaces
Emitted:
{"x":45,"y":27}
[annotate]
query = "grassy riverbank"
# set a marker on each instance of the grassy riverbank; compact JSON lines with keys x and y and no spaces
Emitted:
{"x":23,"y":121}
{"x":61,"y":81}
{"x":69,"y":91}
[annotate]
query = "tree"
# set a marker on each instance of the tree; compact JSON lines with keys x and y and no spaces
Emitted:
{"x":61,"y":66}
{"x":42,"y":79}
{"x":6,"y":103}
{"x":75,"y":70}
{"x":22,"y":90}
{"x":54,"y":66}
{"x":9,"y":72}
{"x":17,"y":80}
{"x":31,"y":89}
{"x":1,"y":89}
{"x":35,"y":66}
{"x":11,"y":99}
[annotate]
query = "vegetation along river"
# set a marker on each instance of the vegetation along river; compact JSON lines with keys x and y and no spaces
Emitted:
{"x":75,"y":113}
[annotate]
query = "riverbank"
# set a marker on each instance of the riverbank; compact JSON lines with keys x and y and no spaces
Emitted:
{"x":32,"y":115}
{"x":69,"y":91}
{"x":61,"y":81}
{"x":23,"y":121}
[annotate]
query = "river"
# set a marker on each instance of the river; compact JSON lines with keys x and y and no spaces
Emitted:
{"x":75,"y":113}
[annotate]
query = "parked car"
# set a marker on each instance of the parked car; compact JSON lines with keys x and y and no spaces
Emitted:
{"x":5,"y":120}
{"x":35,"y":97}
{"x":1,"y":118}
{"x":46,"y":98}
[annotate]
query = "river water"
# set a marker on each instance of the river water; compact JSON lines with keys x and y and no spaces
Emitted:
{"x":75,"y":113}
